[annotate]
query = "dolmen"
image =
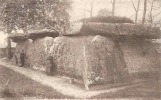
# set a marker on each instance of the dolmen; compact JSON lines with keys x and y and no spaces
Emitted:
{"x":95,"y":52}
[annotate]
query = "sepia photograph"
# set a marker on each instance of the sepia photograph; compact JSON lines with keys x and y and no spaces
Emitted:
{"x":80,"y":49}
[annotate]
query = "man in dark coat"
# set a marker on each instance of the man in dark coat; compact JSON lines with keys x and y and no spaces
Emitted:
{"x":15,"y":58}
{"x":50,"y":68}
{"x":22,"y":58}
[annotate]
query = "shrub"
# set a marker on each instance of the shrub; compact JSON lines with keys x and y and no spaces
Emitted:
{"x":7,"y":93}
{"x":108,"y":19}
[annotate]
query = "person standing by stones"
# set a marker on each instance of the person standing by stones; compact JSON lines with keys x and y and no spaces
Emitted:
{"x":50,"y":68}
{"x":15,"y":58}
{"x":22,"y":58}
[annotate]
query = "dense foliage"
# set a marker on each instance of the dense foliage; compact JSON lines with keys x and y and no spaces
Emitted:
{"x":108,"y":19}
{"x":32,"y":14}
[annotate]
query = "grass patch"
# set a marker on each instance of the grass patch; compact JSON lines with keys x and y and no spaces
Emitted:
{"x":21,"y":86}
{"x":148,"y":90}
{"x":108,"y":19}
{"x":146,"y":75}
{"x":7,"y":93}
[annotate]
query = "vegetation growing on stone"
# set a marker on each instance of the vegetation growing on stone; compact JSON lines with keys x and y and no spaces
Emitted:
{"x":108,"y":19}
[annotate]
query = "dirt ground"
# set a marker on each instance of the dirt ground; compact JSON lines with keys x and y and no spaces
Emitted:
{"x":13,"y":84}
{"x":148,"y":91}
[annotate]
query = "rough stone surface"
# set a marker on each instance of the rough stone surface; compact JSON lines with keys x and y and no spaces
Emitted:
{"x":140,"y":56}
{"x":104,"y":61}
{"x":94,"y":59}
{"x":68,"y":54}
{"x":114,"y":29}
{"x":99,"y":63}
{"x":20,"y":37}
{"x":35,"y":51}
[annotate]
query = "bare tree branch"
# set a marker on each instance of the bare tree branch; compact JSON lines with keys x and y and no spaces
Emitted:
{"x":151,"y":12}
{"x":133,"y":6}
{"x":136,"y":9}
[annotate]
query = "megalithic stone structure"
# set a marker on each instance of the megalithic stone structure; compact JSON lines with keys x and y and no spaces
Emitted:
{"x":94,"y":52}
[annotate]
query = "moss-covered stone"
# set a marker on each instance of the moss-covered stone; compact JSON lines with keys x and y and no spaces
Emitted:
{"x":36,"y":52}
{"x":114,"y":29}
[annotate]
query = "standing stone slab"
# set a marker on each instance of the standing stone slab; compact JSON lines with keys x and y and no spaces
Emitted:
{"x":104,"y":62}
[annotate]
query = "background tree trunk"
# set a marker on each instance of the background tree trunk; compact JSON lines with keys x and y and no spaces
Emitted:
{"x":91,"y":11}
{"x":113,"y":7}
{"x":9,"y":53}
{"x":136,"y":10}
{"x":8,"y":48}
{"x":151,"y":13}
{"x":144,"y":12}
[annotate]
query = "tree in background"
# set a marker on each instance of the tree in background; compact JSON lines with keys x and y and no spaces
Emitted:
{"x":104,"y":12}
{"x":91,"y":9}
{"x":114,"y":5}
{"x":26,"y":14}
{"x":113,"y":2}
{"x":18,"y":14}
{"x":144,"y":12}
{"x":153,"y":14}
{"x":56,"y":11}
{"x":136,"y":8}
{"x":33,"y":14}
